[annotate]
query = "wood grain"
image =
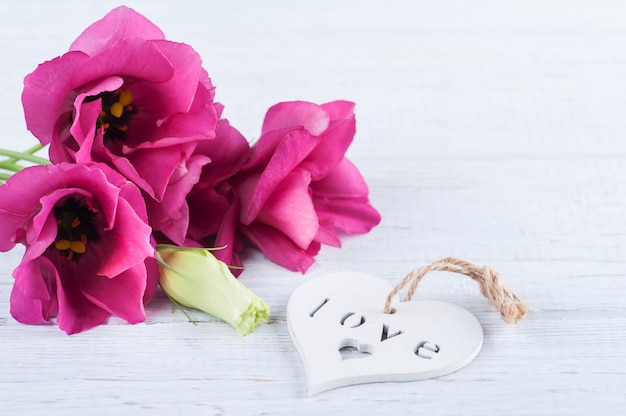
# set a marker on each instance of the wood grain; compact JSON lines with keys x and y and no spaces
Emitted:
{"x":488,"y":131}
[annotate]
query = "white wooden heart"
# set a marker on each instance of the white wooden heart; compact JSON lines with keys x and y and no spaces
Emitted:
{"x":344,"y":337}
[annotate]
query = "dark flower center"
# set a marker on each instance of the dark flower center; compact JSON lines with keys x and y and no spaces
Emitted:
{"x":75,"y":227}
{"x":117,"y":110}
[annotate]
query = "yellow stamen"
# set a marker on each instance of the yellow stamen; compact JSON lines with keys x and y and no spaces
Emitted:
{"x":78,"y":247}
{"x":126,"y":97}
{"x":117,"y":110}
{"x":62,"y":245}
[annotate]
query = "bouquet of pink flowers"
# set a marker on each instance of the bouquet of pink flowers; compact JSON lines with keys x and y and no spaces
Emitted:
{"x":145,"y":172}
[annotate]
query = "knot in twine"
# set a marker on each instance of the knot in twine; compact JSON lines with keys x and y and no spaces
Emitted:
{"x":511,"y":308}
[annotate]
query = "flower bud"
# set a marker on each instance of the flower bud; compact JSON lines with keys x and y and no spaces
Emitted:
{"x":193,"y":277}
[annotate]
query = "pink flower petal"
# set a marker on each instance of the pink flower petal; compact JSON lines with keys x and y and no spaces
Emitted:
{"x":225,"y":237}
{"x":265,"y":147}
{"x":296,"y":113}
{"x":326,"y":233}
{"x":152,"y":279}
{"x":350,"y":215}
{"x":120,"y":164}
{"x":83,"y":131}
{"x":171,"y":215}
{"x":121,"y":296}
{"x":132,"y":58}
{"x":76,"y":312}
{"x":228,"y":152}
{"x":339,"y":110}
{"x":213,"y":215}
{"x":345,"y":181}
{"x":294,"y":148}
{"x":31,"y":297}
{"x":198,"y":123}
{"x":127,"y":245}
{"x":179,"y":92}
{"x":120,"y":23}
{"x":206,"y":210}
{"x":341,"y":199}
{"x":168,"y":159}
{"x":129,"y":192}
{"x":336,"y":140}
{"x":279,"y":248}
{"x":290,"y":209}
{"x":46,"y":97}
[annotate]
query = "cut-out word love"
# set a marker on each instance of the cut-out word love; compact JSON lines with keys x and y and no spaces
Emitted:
{"x":350,"y":348}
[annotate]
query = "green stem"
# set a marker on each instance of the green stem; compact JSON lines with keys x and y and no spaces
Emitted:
{"x":4,"y":176}
{"x":180,"y":308}
{"x":34,"y":149}
{"x":24,"y":156}
{"x":10,"y":165}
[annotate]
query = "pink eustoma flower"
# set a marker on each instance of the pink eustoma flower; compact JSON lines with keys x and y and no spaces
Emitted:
{"x":125,"y":96}
{"x":88,"y":247}
{"x":298,"y":189}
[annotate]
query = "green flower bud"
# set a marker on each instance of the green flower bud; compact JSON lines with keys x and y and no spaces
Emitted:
{"x":193,"y":277}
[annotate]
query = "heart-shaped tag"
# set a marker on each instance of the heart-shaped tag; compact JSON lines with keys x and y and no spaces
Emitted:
{"x":338,"y":324}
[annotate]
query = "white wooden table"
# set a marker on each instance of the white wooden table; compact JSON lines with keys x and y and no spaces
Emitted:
{"x":491,"y":131}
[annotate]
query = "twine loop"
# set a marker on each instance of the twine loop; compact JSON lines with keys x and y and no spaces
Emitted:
{"x":511,"y":308}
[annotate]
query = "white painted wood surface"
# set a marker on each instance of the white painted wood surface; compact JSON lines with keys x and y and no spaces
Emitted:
{"x":491,"y":131}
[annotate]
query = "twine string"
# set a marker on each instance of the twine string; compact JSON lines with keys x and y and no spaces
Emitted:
{"x":511,"y":308}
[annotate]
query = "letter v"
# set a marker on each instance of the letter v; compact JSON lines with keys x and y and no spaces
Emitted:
{"x":386,"y":335}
